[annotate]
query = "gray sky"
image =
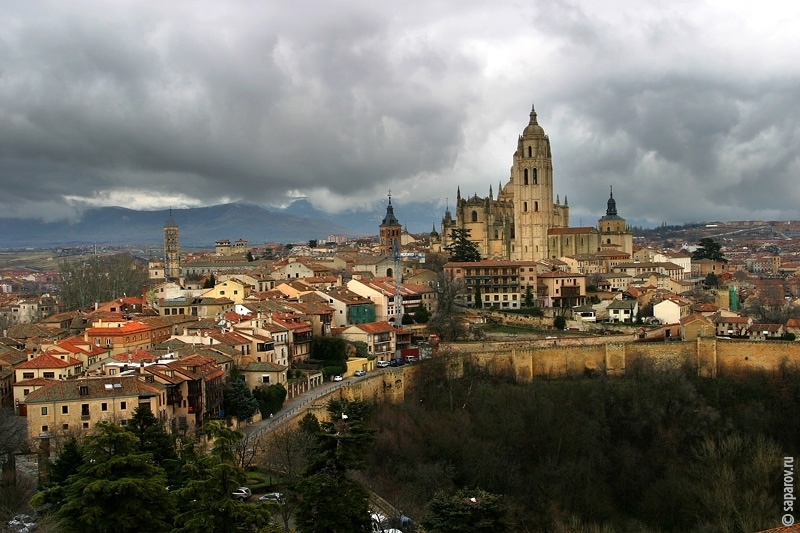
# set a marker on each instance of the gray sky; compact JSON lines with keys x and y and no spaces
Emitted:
{"x":691,"y":110}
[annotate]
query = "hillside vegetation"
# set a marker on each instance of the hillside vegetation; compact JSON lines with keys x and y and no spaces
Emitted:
{"x":653,"y":451}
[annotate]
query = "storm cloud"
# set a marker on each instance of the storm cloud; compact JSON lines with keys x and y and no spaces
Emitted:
{"x":690,"y":110}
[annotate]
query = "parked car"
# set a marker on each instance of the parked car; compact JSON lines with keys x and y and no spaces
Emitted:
{"x":275,"y":497}
{"x":382,"y":364}
{"x":22,"y":523}
{"x":359,"y":373}
{"x":242,"y":493}
{"x":337,"y":378}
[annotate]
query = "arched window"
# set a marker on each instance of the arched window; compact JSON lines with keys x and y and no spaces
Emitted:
{"x":474,"y":216}
{"x":608,"y":241}
{"x":535,"y":176}
{"x":530,"y":152}
{"x":535,"y":206}
{"x":525,"y":206}
{"x":496,"y":234}
{"x":389,"y":273}
{"x":525,"y":176}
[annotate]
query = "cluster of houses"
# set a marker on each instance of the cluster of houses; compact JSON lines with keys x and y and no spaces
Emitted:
{"x":172,"y":346}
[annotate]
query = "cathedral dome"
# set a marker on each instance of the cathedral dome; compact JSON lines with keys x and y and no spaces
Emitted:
{"x":533,"y":127}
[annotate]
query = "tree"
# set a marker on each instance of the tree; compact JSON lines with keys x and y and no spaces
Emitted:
{"x":362,"y":349}
{"x":99,"y":279}
{"x":210,"y":282}
{"x":250,"y":257}
{"x":446,"y":322}
{"x":67,"y":462}
{"x":478,"y":299}
{"x":407,"y":319}
{"x":331,"y":501}
{"x":712,"y":280}
{"x":332,"y":351}
{"x":238,"y":399}
{"x":461,"y":249}
{"x":206,"y":503}
{"x":270,"y":398}
{"x":312,"y":243}
{"x":422,"y":315}
{"x":708,"y":248}
{"x":116,"y":488}
{"x":466,"y":511}
{"x":529,"y":301}
{"x":560,"y":322}
{"x":287,"y":451}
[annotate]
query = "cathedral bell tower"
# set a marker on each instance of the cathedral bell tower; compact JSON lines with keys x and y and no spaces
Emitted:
{"x":532,"y":185}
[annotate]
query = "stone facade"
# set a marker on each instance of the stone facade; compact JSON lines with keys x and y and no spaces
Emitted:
{"x":523,"y":222}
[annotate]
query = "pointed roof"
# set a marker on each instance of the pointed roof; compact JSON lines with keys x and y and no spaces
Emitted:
{"x":170,"y":223}
{"x":611,"y":208}
{"x":390,"y":219}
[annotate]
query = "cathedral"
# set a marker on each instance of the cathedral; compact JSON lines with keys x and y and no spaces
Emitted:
{"x":523,"y":222}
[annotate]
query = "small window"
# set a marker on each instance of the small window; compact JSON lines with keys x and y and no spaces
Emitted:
{"x":84,"y":390}
{"x":474,"y":216}
{"x":525,"y":207}
{"x":123,"y":405}
{"x":65,"y":427}
{"x":65,"y":409}
{"x":27,"y":375}
{"x":104,"y":406}
{"x":44,"y":429}
{"x":535,"y":176}
{"x":48,"y":375}
{"x":86,"y":425}
{"x":44,"y":411}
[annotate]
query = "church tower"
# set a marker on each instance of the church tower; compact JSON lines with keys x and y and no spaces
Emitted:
{"x":172,"y":258}
{"x":613,"y":229}
{"x":390,"y":230}
{"x":531,"y":185}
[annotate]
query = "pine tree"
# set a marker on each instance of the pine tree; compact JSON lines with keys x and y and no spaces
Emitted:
{"x":461,"y":249}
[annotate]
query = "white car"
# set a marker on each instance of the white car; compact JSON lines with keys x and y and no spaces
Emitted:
{"x":359,"y":373}
{"x":337,"y":378}
{"x":242,"y":493}
{"x":382,"y":364}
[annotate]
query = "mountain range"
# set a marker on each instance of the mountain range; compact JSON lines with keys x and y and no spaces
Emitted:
{"x":202,"y":226}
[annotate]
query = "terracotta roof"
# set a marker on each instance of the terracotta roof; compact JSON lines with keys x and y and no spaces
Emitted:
{"x":45,"y":360}
{"x":375,"y":327}
{"x":65,"y":390}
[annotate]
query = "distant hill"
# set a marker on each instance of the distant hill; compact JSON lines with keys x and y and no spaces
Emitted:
{"x":199,"y":227}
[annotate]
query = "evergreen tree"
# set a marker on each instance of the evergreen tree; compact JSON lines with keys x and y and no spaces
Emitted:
{"x":461,"y":249}
{"x":478,"y":299}
{"x":468,"y":510}
{"x":206,"y":503}
{"x":529,"y":302}
{"x":270,"y":398}
{"x":709,"y":249}
{"x":66,"y":463}
{"x":331,"y":501}
{"x":238,"y":400}
{"x":421,"y":315}
{"x":115,"y":489}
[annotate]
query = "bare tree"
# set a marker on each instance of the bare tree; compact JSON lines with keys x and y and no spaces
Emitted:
{"x":286,"y":452}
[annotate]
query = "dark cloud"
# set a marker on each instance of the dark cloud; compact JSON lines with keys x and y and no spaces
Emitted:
{"x":195,"y":103}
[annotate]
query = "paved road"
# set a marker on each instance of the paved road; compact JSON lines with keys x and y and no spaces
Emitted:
{"x":291,"y":407}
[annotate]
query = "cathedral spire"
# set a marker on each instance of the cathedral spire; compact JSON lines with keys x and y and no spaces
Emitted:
{"x":458,"y":195}
{"x":491,"y":197}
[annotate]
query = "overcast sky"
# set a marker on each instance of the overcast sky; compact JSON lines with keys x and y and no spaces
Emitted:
{"x":690,"y":109}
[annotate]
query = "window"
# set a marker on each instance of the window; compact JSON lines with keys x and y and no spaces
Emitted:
{"x":86,"y":425}
{"x":65,"y":409}
{"x":535,"y":206}
{"x":474,"y":216}
{"x":44,"y":412}
{"x":104,"y":406}
{"x":65,"y":427}
{"x":25,"y":392}
{"x":530,"y":151}
{"x":525,"y":207}
{"x":84,"y":409}
{"x":123,"y":405}
{"x":27,"y":375}
{"x":525,"y":177}
{"x":535,"y":176}
{"x":48,"y":375}
{"x":84,"y":390}
{"x":44,"y":429}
